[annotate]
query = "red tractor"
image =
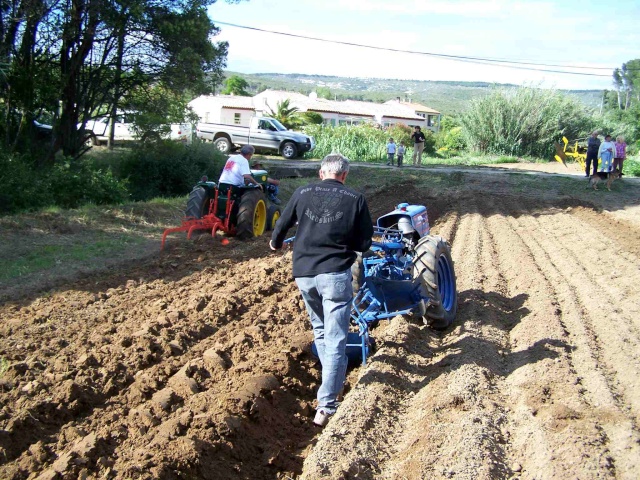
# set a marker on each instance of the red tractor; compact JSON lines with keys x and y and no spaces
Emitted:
{"x":243,"y":212}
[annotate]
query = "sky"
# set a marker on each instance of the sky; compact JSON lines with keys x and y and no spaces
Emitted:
{"x":566,"y":33}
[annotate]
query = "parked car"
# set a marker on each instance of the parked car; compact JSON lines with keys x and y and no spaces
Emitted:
{"x":98,"y":130}
{"x":263,"y":132}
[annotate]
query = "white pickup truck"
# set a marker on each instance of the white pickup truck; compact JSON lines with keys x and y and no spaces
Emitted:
{"x":98,"y":130}
{"x":263,"y":132}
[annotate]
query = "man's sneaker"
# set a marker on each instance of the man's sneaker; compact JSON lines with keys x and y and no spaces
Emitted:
{"x":322,"y":418}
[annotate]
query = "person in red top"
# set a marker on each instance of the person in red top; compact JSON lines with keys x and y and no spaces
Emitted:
{"x":619,"y":154}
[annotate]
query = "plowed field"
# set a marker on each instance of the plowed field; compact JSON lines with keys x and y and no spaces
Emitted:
{"x":196,"y":363}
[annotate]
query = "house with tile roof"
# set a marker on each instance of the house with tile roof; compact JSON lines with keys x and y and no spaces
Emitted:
{"x":234,"y":110}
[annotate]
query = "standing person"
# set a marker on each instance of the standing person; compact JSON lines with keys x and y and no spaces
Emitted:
{"x":418,"y":145}
{"x":401,"y":152}
{"x":391,"y":151}
{"x":607,"y":148}
{"x":333,"y":224}
{"x":593,"y":145}
{"x":236,"y":171}
{"x":620,"y":154}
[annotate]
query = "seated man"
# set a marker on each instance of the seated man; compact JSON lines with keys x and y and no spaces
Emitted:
{"x":236,"y":171}
{"x":272,"y":184}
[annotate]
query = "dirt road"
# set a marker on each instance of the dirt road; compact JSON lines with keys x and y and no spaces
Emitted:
{"x":196,"y":363}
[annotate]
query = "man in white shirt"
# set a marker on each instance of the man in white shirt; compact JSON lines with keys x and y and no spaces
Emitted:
{"x":236,"y":171}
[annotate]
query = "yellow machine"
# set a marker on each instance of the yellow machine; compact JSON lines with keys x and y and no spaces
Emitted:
{"x":579,"y":154}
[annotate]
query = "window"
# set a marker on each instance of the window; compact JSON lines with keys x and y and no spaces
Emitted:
{"x":236,"y":119}
{"x":420,"y":114}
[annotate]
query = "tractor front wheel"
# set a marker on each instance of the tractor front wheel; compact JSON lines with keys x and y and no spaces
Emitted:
{"x":433,"y":264}
{"x":273,"y":214}
{"x":252,"y":215}
{"x":198,"y":203}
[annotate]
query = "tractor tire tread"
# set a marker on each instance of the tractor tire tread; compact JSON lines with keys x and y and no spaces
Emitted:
{"x":428,"y":251}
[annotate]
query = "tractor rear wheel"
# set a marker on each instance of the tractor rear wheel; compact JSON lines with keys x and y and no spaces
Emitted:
{"x":273,"y":214}
{"x":198,"y":203}
{"x":433,"y":264}
{"x":252,"y":215}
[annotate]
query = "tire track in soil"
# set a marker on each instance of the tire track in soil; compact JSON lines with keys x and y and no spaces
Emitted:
{"x":601,"y":359}
{"x":545,"y":425}
{"x":461,"y":436}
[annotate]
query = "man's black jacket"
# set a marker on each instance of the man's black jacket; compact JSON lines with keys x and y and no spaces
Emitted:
{"x":333,"y":223}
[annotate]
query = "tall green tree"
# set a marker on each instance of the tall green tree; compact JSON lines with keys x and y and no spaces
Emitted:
{"x":82,"y":58}
{"x":236,"y":85}
{"x":627,"y":83}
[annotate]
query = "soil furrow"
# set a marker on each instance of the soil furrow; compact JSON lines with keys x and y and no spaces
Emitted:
{"x":585,"y":368}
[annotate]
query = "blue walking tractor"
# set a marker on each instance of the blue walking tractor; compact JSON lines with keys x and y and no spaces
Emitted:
{"x":406,"y":271}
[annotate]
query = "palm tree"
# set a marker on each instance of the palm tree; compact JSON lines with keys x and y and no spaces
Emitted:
{"x":286,"y":114}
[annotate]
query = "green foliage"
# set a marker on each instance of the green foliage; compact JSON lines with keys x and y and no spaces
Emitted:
{"x":523,"y":121}
{"x":69,"y":184}
{"x":631,"y":167}
{"x":364,"y":142}
{"x":235,"y":85}
{"x":169,"y":168}
{"x":311,"y":118}
{"x":450,"y":142}
{"x":324,"y":92}
{"x":286,"y":114}
{"x":72,"y":184}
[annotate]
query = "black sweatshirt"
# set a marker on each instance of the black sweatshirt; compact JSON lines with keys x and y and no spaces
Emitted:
{"x":333,"y":223}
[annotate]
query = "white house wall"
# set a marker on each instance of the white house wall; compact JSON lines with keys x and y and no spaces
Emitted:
{"x":228,"y":116}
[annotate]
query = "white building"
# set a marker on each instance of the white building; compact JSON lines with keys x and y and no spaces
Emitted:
{"x":233,"y":110}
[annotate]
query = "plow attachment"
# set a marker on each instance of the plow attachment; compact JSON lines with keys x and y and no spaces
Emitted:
{"x":209,"y":221}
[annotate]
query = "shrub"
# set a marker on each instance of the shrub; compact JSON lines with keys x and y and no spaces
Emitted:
{"x":364,"y":143}
{"x":73,"y":184}
{"x":523,"y":121}
{"x":68,"y":184}
{"x":169,"y":168}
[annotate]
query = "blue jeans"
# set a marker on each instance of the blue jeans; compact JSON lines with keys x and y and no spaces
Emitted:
{"x":328,"y":299}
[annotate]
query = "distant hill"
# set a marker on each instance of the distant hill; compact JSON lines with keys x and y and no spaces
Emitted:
{"x":446,"y":97}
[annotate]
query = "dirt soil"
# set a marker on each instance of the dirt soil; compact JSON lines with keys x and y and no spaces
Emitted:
{"x":196,"y":363}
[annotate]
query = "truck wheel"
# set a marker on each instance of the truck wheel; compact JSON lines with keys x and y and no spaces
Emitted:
{"x":223,"y":144}
{"x":433,"y":264}
{"x":273,"y":214}
{"x":198,"y":203}
{"x":90,"y":139}
{"x":252,"y":215}
{"x":289,"y":150}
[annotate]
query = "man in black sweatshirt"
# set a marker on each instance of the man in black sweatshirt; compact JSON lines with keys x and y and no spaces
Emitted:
{"x":333,"y":223}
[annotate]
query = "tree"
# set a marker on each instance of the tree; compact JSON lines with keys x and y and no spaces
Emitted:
{"x":83,"y":58}
{"x":236,"y":85}
{"x":286,"y":114}
{"x":324,"y":92}
{"x":627,"y":83}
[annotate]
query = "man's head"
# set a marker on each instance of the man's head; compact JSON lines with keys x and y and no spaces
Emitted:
{"x":594,"y":134}
{"x":257,"y":165}
{"x":247,"y":151}
{"x":417,"y":128}
{"x":334,"y":166}
{"x":607,"y":138}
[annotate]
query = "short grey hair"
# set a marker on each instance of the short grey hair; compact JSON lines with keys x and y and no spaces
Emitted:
{"x":334,"y":164}
{"x":247,"y":150}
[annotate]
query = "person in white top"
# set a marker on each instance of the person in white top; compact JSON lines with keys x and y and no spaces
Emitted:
{"x":606,"y":151}
{"x":236,"y":171}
